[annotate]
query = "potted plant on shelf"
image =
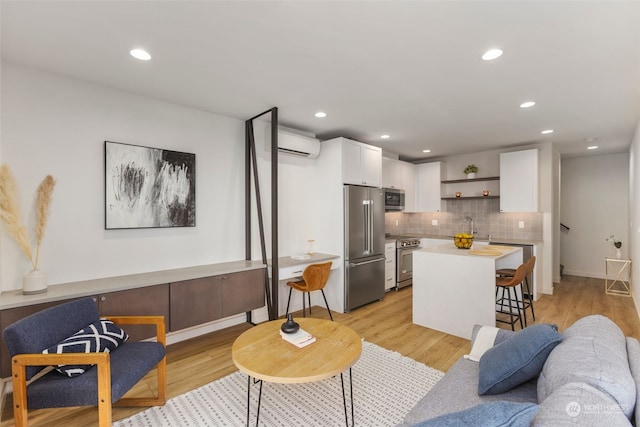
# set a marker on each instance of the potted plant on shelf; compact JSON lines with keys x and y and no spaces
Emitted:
{"x":35,"y":281}
{"x":471,"y":171}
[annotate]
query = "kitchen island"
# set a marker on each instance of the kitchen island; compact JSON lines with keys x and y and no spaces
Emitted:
{"x":454,"y":289}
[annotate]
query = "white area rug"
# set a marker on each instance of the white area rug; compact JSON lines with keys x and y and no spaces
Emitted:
{"x":386,"y":385}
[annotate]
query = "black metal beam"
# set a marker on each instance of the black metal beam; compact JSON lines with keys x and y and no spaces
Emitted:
{"x":252,"y":166}
{"x":247,"y":190}
{"x":275,"y":277}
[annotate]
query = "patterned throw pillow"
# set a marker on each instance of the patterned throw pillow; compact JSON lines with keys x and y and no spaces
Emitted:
{"x":101,"y":336}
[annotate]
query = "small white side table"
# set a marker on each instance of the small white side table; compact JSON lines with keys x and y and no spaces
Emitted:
{"x":621,"y":271}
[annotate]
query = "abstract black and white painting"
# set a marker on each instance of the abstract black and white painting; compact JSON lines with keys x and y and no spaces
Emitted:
{"x":148,"y":187}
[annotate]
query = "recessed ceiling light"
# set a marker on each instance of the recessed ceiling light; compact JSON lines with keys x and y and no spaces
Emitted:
{"x":385,"y":136}
{"x":547,"y":131}
{"x":592,"y":147}
{"x":527,"y":104}
{"x":320,"y":114}
{"x":140,"y":54}
{"x":492,"y":54}
{"x":426,"y":151}
{"x":590,"y":139}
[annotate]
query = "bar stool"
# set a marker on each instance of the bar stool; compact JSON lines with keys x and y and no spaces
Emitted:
{"x":527,"y":298}
{"x":510,"y":284}
{"x":314,"y":278}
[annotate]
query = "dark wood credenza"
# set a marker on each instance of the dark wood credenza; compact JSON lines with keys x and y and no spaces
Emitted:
{"x":186,"y":297}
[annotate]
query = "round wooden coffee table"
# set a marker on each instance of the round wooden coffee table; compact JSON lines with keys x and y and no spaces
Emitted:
{"x":261,"y":353}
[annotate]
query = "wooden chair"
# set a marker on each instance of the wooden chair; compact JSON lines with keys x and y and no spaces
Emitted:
{"x":314,"y":278}
{"x":527,"y":297}
{"x":509,"y":285}
{"x":104,"y":383}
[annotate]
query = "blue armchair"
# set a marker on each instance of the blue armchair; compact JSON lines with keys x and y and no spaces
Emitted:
{"x":111,"y":376}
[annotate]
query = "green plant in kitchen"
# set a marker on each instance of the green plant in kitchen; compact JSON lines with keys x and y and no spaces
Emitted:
{"x":471,"y":169}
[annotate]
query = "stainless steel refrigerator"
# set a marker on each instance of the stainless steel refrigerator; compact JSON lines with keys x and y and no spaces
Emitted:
{"x":363,"y":245}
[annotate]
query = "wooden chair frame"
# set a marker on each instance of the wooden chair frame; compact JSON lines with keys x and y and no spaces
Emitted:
{"x":20,"y":362}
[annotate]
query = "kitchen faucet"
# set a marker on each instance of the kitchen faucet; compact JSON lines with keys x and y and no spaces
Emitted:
{"x":469,"y":219}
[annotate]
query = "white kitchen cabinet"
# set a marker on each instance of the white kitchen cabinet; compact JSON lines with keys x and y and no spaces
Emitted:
{"x":428,"y":178}
{"x":390,"y":265}
{"x":399,"y":174}
{"x":408,"y":175}
{"x":361,"y":163}
{"x":519,"y":181}
{"x":391,"y":173}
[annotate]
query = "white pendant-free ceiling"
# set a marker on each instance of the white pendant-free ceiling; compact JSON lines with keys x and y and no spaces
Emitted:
{"x":409,"y":69}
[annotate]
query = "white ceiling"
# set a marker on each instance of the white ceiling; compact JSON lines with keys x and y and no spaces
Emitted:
{"x":411,"y":69}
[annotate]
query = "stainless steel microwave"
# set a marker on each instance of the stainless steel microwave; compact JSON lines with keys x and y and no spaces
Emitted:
{"x":393,"y":200}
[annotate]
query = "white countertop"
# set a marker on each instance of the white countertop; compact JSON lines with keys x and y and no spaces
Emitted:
{"x":287,"y":261}
{"x":451,"y":249}
{"x":494,"y":239}
{"x":12,"y":299}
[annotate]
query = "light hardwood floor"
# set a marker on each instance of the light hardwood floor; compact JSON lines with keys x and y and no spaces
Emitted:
{"x":386,"y":323}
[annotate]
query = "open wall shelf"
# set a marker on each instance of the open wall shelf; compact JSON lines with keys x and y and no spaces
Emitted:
{"x":470,"y":197}
{"x":458,"y":181}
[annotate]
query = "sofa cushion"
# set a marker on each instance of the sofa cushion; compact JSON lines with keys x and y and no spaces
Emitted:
{"x":494,"y":414}
{"x":593,"y":351}
{"x":102,"y":336}
{"x":633,"y":354}
{"x":516,"y":360}
{"x":582,"y":405}
{"x":458,"y":390}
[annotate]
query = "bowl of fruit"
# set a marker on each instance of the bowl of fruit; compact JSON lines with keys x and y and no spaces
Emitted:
{"x":463,"y":240}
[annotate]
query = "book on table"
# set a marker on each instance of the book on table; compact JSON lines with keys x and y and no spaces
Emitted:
{"x":300,"y":338}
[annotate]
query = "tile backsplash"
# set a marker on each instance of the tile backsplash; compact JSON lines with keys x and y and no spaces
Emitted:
{"x":486,"y":215}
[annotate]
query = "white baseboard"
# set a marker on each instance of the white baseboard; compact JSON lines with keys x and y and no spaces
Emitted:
{"x":257,"y":316}
{"x":592,"y":274}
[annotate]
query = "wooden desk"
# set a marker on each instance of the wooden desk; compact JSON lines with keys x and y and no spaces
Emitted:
{"x":288,"y":268}
{"x":261,"y":353}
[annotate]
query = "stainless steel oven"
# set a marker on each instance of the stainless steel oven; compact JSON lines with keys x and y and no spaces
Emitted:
{"x":404,"y":259}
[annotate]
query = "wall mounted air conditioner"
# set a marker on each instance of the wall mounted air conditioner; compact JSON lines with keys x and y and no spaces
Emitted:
{"x":294,"y":144}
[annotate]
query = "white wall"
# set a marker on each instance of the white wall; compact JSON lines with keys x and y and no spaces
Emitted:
{"x":594,"y":205}
{"x":556,"y":218}
{"x":634,"y":213}
{"x":56,"y":124}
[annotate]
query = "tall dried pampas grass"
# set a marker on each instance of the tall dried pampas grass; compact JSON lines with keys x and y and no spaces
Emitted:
{"x":10,"y":212}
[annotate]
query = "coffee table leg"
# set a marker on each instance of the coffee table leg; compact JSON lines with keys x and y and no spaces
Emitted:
{"x":353,"y":419}
{"x":344,"y":399}
{"x":259,"y":399}
{"x":249,"y":400}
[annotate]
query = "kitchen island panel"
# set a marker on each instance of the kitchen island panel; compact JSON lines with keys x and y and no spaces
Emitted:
{"x":454,"y":290}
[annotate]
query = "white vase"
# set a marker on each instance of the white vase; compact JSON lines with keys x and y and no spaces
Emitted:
{"x":471,"y":175}
{"x":618,"y":253}
{"x":34,"y":282}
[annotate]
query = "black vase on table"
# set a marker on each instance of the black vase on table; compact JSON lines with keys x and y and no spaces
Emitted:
{"x":290,"y":326}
